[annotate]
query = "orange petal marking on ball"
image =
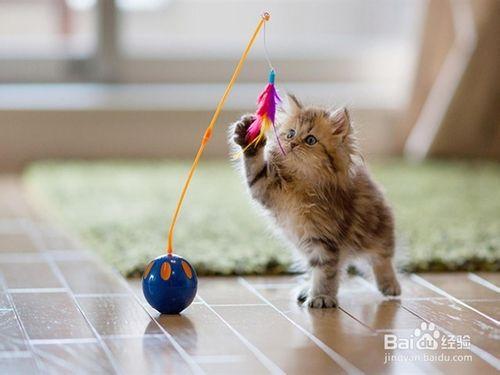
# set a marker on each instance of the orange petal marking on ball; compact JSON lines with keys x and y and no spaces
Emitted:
{"x":148,"y":269}
{"x":187,"y":269}
{"x":165,"y":271}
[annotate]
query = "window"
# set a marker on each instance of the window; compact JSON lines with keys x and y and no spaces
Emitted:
{"x":39,"y":37}
{"x":175,"y":41}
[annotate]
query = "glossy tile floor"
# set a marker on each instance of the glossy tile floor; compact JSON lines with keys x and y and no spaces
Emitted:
{"x":61,"y":311}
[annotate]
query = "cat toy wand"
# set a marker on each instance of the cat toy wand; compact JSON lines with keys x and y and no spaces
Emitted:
{"x":170,"y":282}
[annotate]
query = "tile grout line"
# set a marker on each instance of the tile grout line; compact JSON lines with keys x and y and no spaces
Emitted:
{"x":416,"y":299}
{"x":23,"y":329}
{"x":180,"y":350}
{"x":384,"y":331}
{"x":438,"y":290}
{"x":63,"y":341}
{"x":354,"y":317}
{"x":67,"y":290}
{"x":191,"y":363}
{"x":481,"y":353}
{"x":208,"y":359}
{"x":8,"y":354}
{"x":132,"y":336}
{"x":268,"y":363}
{"x":236,"y":304}
{"x":32,"y":232}
{"x":101,"y":295}
{"x":115,"y":295}
{"x":36,"y":290}
{"x":336,"y":357}
{"x":481,"y":281}
{"x":400,"y":300}
{"x":31,"y":350}
{"x":274,"y":286}
{"x":103,"y":345}
{"x":343,"y":309}
{"x":90,"y":340}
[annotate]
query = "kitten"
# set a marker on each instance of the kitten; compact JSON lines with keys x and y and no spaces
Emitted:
{"x":321,"y":197}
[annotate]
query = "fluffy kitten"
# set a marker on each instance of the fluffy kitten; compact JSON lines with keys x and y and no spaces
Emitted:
{"x":322,"y":197}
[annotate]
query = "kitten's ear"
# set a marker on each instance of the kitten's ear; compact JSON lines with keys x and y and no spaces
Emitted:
{"x":293,"y":104}
{"x":341,"y":121}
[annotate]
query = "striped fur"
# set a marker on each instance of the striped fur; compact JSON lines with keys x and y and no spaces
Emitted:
{"x":322,"y":197}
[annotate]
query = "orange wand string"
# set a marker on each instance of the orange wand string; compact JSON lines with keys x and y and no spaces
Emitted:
{"x":208,"y":132}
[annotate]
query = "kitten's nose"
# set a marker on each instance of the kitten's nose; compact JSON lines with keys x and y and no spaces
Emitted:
{"x":293,"y":145}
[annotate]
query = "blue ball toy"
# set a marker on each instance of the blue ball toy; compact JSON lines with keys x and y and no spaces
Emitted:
{"x":169,"y":284}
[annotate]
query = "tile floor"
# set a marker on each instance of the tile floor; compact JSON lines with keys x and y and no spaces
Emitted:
{"x":62,"y":311}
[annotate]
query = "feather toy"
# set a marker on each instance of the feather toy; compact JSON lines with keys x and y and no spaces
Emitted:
{"x":265,"y":115}
{"x":170,"y":282}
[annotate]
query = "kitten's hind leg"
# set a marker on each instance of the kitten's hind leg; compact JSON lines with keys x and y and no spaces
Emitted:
{"x":385,"y":275}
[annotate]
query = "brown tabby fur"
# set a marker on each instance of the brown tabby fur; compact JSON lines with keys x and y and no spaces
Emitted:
{"x":321,"y":197}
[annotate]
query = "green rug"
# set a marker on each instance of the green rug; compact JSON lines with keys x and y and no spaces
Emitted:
{"x":448,"y":214}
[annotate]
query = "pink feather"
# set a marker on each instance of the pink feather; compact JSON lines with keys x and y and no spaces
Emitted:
{"x":265,"y":115}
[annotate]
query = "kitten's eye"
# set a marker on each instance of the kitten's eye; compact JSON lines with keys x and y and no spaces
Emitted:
{"x":311,"y":140}
{"x":290,"y":134}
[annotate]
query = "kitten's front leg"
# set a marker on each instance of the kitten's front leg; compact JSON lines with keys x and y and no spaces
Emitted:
{"x":257,"y":170}
{"x":324,"y":262}
{"x":240,"y":135}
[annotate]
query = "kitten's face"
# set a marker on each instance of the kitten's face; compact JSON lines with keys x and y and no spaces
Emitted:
{"x":316,"y":141}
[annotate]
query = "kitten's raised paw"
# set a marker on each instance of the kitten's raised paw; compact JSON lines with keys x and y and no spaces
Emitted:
{"x":321,"y":302}
{"x":240,"y":129}
{"x":390,"y":288}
